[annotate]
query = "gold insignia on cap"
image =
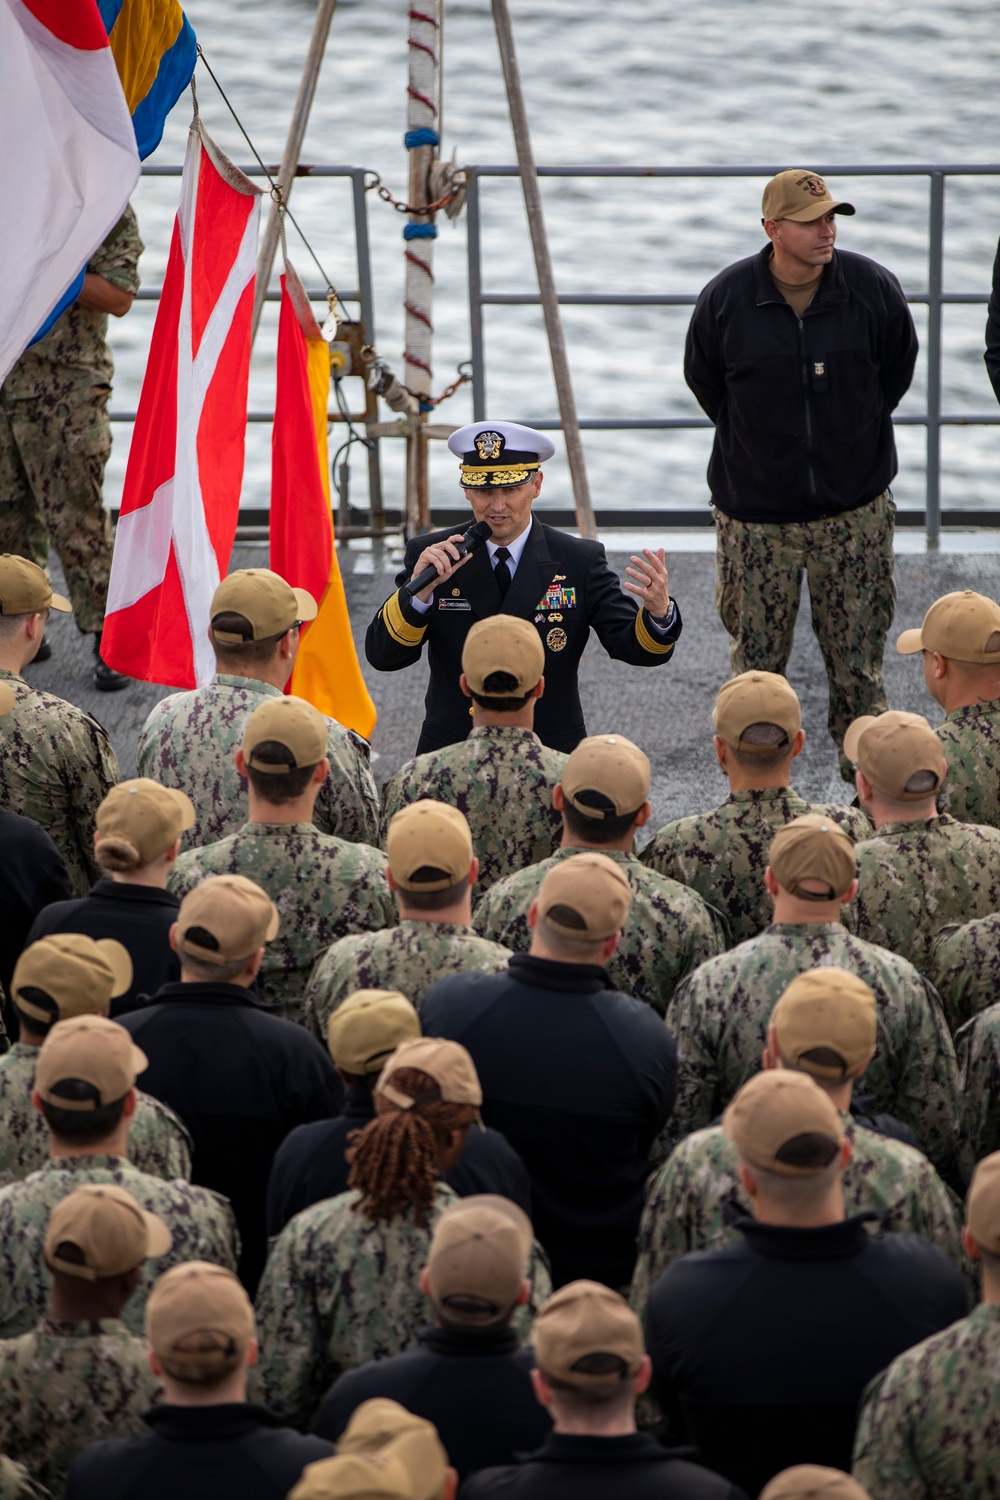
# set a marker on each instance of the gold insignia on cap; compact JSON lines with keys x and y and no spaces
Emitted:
{"x":489,"y":445}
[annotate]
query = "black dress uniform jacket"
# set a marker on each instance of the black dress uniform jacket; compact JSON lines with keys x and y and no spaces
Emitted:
{"x":576,"y":1466}
{"x":240,"y":1079}
{"x":761,"y":1351}
{"x":590,"y":597}
{"x":32,"y":875}
{"x":227,"y":1452}
{"x":310,"y":1164}
{"x":474,"y":1385}
{"x":581,"y":1080}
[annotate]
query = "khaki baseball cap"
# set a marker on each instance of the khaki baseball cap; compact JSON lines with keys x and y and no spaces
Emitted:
{"x":477,"y":1261}
{"x":24,"y":588}
{"x":375,"y":1423}
{"x":783,"y":1122}
{"x":586,"y":896}
{"x":99,"y":1230}
{"x":80,"y":976}
{"x":893,"y":747}
{"x":448,"y":1063}
{"x":581,"y":1319}
{"x":92,"y":1050}
{"x":800,"y":195}
{"x":411,"y":1466}
{"x":428,"y":835}
{"x":225,"y":918}
{"x":203,"y":1305}
{"x":813,"y":847}
{"x":368,"y":1027}
{"x":813,"y":1482}
{"x":822,"y":1011}
{"x":982,"y":1205}
{"x":151,"y":817}
{"x":503,"y":643}
{"x":756,"y":698}
{"x":610,"y":766}
{"x":959,"y":626}
{"x":264,"y":599}
{"x":292,"y":723}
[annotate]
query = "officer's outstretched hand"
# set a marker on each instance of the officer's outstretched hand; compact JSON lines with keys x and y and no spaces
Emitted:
{"x":652,"y":583}
{"x":443,"y":556}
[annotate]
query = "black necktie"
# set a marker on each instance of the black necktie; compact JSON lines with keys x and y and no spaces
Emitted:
{"x":501,"y":572}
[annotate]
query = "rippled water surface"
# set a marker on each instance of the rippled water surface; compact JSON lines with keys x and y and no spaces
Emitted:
{"x":726,"y":82}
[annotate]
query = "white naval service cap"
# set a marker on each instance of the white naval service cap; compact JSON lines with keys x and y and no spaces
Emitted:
{"x":499,"y":454}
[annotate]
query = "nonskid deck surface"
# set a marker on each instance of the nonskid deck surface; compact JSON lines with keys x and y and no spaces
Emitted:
{"x":668,"y":711}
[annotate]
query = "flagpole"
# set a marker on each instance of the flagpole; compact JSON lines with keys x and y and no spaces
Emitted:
{"x":293,"y":148}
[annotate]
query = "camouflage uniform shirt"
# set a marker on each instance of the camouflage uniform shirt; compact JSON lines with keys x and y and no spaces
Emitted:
{"x":722,"y":854}
{"x":668,"y":932}
{"x":693,"y":1198}
{"x":971,"y":740}
{"x":501,"y":778}
{"x":57,"y":766}
{"x":915,"y":877}
{"x":408,"y":958}
{"x":323,"y":887}
{"x":338,"y":1291}
{"x":66,"y":1385}
{"x":927,"y":1429}
{"x":964,"y":967}
{"x":201,"y":1225}
{"x":719,"y":1017}
{"x":158,"y":1143}
{"x":978,"y":1047}
{"x":189,"y":741}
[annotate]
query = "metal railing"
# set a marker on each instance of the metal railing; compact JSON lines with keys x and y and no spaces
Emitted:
{"x":933,"y":419}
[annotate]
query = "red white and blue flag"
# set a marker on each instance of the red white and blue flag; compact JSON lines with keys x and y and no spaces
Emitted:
{"x":70,"y":157}
{"x":185,"y":468}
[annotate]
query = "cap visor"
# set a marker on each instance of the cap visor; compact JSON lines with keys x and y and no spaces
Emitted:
{"x":140,"y":1061}
{"x":62,"y":605}
{"x":853,"y":736}
{"x":910,"y":642}
{"x":158,"y":1237}
{"x":117,"y":958}
{"x":819,"y":209}
{"x":308,"y":608}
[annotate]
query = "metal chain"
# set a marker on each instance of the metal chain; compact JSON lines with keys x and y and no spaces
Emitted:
{"x":406,"y":208}
{"x":464,"y":376}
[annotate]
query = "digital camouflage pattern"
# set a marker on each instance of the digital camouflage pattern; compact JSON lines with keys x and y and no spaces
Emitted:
{"x":66,"y":1385}
{"x":848,"y":560}
{"x":722,"y":854}
{"x":158,"y":1143}
{"x":408,"y":958}
{"x":668,"y":932}
{"x":323,"y":887}
{"x":719,"y":1017}
{"x":55,"y":438}
{"x":501,"y":779}
{"x":190,"y":740}
{"x":978,"y":1047}
{"x":693,"y":1198}
{"x":57,"y":767}
{"x":339,"y":1290}
{"x":913,"y":878}
{"x":201,"y":1224}
{"x":971,"y":740}
{"x":928,"y":1423}
{"x":964,"y":967}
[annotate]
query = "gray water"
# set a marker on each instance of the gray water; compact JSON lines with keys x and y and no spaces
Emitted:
{"x":726,"y":82}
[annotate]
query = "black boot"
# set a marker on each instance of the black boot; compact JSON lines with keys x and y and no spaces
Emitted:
{"x":105,"y":678}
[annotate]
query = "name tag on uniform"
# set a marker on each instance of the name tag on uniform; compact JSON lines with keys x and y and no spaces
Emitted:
{"x":454,"y":604}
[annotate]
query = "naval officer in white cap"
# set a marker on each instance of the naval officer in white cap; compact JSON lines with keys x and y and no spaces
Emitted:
{"x":561,"y":583}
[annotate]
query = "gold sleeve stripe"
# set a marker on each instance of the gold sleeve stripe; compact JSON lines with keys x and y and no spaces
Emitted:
{"x":399,"y":626}
{"x":649,"y":642}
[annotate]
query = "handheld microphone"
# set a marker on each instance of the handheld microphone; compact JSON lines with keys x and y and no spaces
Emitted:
{"x":474,"y":536}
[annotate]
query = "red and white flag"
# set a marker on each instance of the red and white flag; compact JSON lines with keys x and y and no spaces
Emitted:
{"x":185,"y":468}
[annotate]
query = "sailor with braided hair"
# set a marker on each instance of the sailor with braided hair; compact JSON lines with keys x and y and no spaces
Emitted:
{"x":342,"y":1283}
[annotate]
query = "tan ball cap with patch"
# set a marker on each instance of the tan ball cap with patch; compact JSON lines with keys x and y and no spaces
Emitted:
{"x":982,"y":1205}
{"x":265,"y":600}
{"x":826,"y":1009}
{"x":368,"y":1027}
{"x":611,"y":766}
{"x":773,"y":1113}
{"x":959,"y":626}
{"x":91,"y":1050}
{"x":891,"y":748}
{"x":812,"y":1482}
{"x":478,"y":1255}
{"x":756,"y":698}
{"x":225,"y":918}
{"x":292,"y":723}
{"x":105,"y":1226}
{"x":79,"y":975}
{"x":584,"y":1318}
{"x":813,"y":847}
{"x":25,"y":590}
{"x":428,"y":835}
{"x":503,"y":643}
{"x":586,"y":896}
{"x":150,"y":816}
{"x":198,"y":1298}
{"x":802,"y":195}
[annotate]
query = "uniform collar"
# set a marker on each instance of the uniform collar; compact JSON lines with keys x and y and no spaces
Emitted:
{"x":426,"y":929}
{"x":275,"y":830}
{"x":503,"y":732}
{"x":209,"y":1424}
{"x":831,"y":1242}
{"x":247,"y":684}
{"x":973,"y":711}
{"x":800,"y":929}
{"x":91,"y":1328}
{"x":585,"y":1448}
{"x":922,"y":825}
{"x":515,"y":548}
{"x":762,"y":794}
